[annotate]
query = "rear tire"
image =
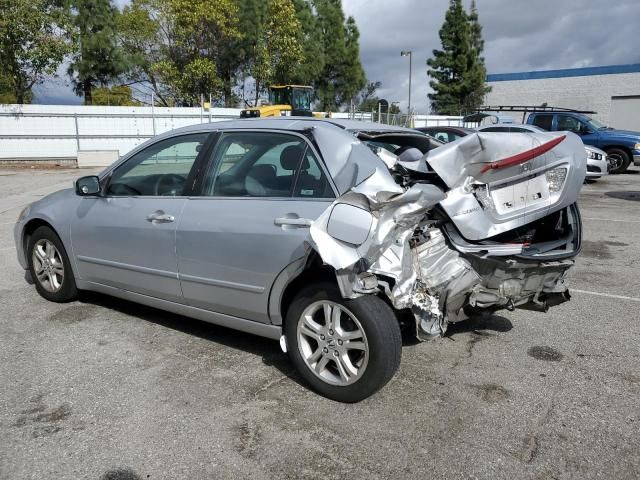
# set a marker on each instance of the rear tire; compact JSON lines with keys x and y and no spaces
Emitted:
{"x":620,"y":159}
{"x":49,"y":266}
{"x":352,"y":355}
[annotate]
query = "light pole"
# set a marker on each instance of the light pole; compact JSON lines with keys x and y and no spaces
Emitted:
{"x":407,"y":53}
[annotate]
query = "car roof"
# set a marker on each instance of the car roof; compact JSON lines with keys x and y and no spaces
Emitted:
{"x":531,"y":128}
{"x":446,"y":128}
{"x":293,"y":124}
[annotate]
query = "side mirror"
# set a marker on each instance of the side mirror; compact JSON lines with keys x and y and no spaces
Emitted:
{"x":88,"y":186}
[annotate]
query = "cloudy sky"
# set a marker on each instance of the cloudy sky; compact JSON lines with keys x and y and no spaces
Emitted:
{"x":520,"y":35}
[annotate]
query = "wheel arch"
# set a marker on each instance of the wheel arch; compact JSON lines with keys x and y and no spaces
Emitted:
{"x":624,"y":148}
{"x":292,"y":279}
{"x":31,"y":226}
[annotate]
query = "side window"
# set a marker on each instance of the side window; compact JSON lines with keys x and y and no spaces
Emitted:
{"x":159,"y":170}
{"x":519,"y":130}
{"x":543,"y":121}
{"x":312,"y":182}
{"x":442,"y":136}
{"x":568,"y":123}
{"x":495,"y":129}
{"x":264,"y":164}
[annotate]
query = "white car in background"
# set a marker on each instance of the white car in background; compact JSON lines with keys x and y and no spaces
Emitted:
{"x":597,"y":163}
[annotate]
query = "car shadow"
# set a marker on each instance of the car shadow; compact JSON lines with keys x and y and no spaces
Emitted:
{"x":493,"y":323}
{"x":267,"y":349}
{"x":475,"y":324}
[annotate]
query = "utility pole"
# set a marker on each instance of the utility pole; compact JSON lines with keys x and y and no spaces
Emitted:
{"x":408,"y":53}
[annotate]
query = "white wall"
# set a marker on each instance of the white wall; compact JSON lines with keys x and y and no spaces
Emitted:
{"x":592,"y":92}
{"x":58,"y":132}
{"x":50,"y":132}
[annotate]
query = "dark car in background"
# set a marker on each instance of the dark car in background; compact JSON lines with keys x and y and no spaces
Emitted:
{"x":446,"y":134}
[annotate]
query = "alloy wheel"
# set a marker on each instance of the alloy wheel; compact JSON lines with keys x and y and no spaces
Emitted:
{"x":332,"y":343}
{"x":48,"y":265}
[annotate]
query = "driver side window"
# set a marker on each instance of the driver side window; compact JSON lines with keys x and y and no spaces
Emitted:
{"x":159,"y":170}
{"x":570,"y":124}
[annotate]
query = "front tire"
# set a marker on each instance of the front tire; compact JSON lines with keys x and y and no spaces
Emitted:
{"x":619,"y":159}
{"x":345,"y":349}
{"x":49,"y":266}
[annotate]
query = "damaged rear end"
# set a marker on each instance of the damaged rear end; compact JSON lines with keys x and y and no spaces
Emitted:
{"x":485,"y":223}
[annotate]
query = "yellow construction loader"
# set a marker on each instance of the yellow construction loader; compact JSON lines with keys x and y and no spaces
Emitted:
{"x":284,"y":100}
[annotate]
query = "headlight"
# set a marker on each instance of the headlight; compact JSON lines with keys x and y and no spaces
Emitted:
{"x":636,"y":146}
{"x":556,"y":178}
{"x":593,"y":155}
{"x":285,"y":113}
{"x":24,"y":213}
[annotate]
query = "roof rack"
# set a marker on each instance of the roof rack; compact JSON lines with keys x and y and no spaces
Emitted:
{"x":530,"y":108}
{"x":480,"y":112}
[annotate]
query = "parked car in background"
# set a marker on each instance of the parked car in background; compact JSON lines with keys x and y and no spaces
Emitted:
{"x":597,"y":162}
{"x":622,"y":146}
{"x":323,"y":234}
{"x":446,"y":134}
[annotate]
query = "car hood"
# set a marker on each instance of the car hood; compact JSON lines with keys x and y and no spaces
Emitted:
{"x":622,"y":134}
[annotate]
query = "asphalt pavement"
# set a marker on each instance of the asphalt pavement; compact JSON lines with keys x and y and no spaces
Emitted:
{"x":106,"y":389}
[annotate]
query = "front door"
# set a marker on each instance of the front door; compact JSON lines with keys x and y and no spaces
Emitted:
{"x":250,"y":221}
{"x":126,"y":237}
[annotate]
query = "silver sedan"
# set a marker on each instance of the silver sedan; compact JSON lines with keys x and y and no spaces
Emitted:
{"x":324,"y":235}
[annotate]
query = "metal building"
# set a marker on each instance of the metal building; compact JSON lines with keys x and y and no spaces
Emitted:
{"x":613,"y":91}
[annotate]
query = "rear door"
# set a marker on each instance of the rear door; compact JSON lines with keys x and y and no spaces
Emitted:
{"x":250,"y":220}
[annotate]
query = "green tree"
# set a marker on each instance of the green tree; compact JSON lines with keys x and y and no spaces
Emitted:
{"x":34,"y":40}
{"x":120,"y":95}
{"x":342,"y":76}
{"x":239,"y":53}
{"x":457,"y":71}
{"x":368,"y":98}
{"x":479,"y":70}
{"x":279,"y":48}
{"x":142,"y":38}
{"x":98,"y":59}
{"x":177,"y":47}
{"x":198,"y":30}
{"x":307,"y":71}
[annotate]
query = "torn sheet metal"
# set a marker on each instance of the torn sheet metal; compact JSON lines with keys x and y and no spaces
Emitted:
{"x":484,"y":200}
{"x":382,"y":234}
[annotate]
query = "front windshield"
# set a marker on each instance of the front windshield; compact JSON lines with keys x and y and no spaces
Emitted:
{"x":595,"y":123}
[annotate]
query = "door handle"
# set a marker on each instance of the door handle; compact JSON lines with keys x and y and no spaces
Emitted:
{"x":160,"y":217}
{"x":295,"y":222}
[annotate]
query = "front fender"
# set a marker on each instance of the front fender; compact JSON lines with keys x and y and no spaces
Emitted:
{"x":55,"y":210}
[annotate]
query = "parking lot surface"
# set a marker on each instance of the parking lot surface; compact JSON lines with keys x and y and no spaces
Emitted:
{"x":106,"y":389}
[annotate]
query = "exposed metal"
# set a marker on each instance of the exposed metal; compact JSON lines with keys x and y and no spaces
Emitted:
{"x":437,"y":267}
